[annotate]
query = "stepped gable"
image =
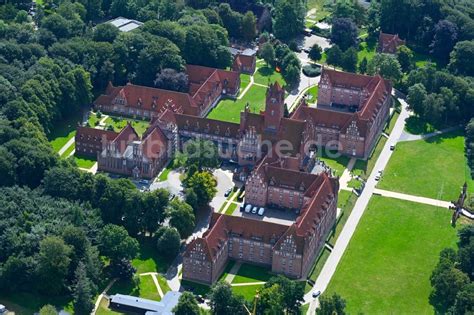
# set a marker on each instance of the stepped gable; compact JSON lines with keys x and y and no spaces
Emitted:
{"x":203,"y":79}
{"x":207,"y":126}
{"x":375,"y":87}
{"x":154,"y":144}
{"x":126,"y":135}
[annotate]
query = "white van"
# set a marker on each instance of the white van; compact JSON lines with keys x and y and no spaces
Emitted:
{"x":261,"y":211}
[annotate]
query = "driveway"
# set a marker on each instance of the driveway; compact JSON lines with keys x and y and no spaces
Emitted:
{"x":224,"y":182}
{"x":305,"y":82}
{"x":172,"y":184}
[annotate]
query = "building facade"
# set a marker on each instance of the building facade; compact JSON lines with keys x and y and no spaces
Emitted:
{"x":206,"y":87}
{"x":285,"y":249}
{"x":389,"y":43}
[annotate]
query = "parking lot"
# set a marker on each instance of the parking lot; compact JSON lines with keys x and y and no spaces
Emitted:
{"x":285,"y":217}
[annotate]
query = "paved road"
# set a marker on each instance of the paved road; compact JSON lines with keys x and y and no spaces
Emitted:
{"x":342,"y":242}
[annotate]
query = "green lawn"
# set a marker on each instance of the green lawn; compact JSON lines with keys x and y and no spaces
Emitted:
{"x":265,"y":75}
{"x":197,"y":288}
{"x":227,"y":268}
{"x":433,"y":168}
{"x":391,"y":124}
{"x":354,"y":183}
{"x":231,"y":209}
{"x":417,"y":126}
{"x":148,"y":288}
{"x":252,"y":273}
{"x":318,"y":266}
{"x":248,"y":291}
{"x":93,"y":119}
{"x":346,"y":200}
{"x":125,"y":287}
{"x":119,"y":123}
{"x":164,"y":174}
{"x":229,"y":110}
{"x":312,"y":94}
{"x":63,"y":131}
{"x":244,"y":81}
{"x":366,"y":50}
{"x":387,"y":266}
{"x":68,"y":151}
{"x":28,"y":304}
{"x":163,"y":284}
{"x":148,"y":260}
{"x":364,"y":168}
{"x":104,"y":308}
{"x":84,"y":161}
{"x":422,"y":59}
{"x":321,"y":10}
{"x":334,"y":160}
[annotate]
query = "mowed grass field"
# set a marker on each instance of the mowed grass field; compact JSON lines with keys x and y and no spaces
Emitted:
{"x":229,"y":110}
{"x":433,"y":168}
{"x":387,"y":266}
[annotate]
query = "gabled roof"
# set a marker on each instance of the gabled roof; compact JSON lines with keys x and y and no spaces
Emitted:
{"x":388,"y":43}
{"x":155,"y":144}
{"x":86,"y":133}
{"x":147,"y":98}
{"x":244,"y":61}
{"x":375,"y":87}
{"x":126,"y":135}
{"x":207,"y":126}
{"x":222,"y":226}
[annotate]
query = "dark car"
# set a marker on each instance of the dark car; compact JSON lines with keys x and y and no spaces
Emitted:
{"x":392,"y":147}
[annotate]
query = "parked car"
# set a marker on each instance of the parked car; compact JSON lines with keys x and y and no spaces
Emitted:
{"x":144,"y":182}
{"x":171,"y":197}
{"x":242,"y":208}
{"x":316,"y":294}
{"x":3,"y":309}
{"x":248,"y":208}
{"x":307,"y":50}
{"x":379,"y":175}
{"x":254,"y":210}
{"x":227,"y":192}
{"x":392,"y":147}
{"x":261,"y":211}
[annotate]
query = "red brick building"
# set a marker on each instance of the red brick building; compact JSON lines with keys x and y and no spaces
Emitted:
{"x":206,"y":87}
{"x":287,"y":249}
{"x":389,"y":43}
{"x":351,"y":112}
{"x":126,"y":152}
{"x":244,"y":63}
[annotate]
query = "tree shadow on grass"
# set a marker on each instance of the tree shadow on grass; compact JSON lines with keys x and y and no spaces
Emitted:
{"x":417,"y":126}
{"x":149,"y":257}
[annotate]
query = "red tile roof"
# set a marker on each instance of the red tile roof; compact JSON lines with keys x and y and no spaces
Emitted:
{"x":202,"y":81}
{"x":126,"y":135}
{"x":85,"y":133}
{"x":389,"y":43}
{"x":207,"y":126}
{"x":244,"y":61}
{"x":155,"y":144}
{"x":222,"y":226}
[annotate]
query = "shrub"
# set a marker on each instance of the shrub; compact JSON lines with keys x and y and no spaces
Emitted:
{"x":312,"y":70}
